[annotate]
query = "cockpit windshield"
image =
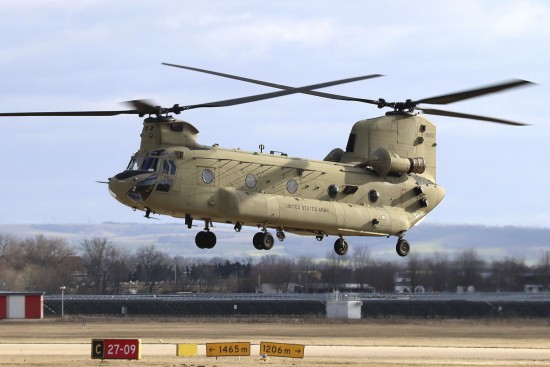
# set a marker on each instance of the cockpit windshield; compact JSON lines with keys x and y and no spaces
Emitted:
{"x":148,"y":163}
{"x":135,"y":163}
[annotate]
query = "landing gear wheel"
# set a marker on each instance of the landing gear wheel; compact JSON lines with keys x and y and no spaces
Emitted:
{"x":280,"y":235}
{"x":263,"y":241}
{"x":268,"y":241}
{"x":319,"y":237}
{"x":210,"y":240}
{"x":402,"y":247}
{"x":205,"y":240}
{"x":257,"y":241}
{"x":341,"y":246}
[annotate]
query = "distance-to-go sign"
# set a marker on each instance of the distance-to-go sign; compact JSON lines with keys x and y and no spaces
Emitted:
{"x":116,"y":348}
{"x":282,"y":350}
{"x":227,"y":349}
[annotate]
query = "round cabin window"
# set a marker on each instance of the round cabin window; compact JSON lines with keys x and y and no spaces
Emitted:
{"x":207,"y":176}
{"x":292,"y":186}
{"x":250,"y":181}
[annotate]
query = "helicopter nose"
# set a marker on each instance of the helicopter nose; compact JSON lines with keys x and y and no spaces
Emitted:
{"x":440,"y":193}
{"x":118,"y":188}
{"x":132,"y":188}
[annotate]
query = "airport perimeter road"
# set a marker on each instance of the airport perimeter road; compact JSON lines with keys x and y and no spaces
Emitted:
{"x":342,"y":353}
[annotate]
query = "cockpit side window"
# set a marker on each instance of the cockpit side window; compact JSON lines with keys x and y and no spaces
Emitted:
{"x":169,"y":167}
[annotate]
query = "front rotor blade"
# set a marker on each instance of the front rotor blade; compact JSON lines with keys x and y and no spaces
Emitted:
{"x":281,"y":86}
{"x":286,"y":91}
{"x":472,"y":93}
{"x":70,"y":113}
{"x":431,"y":111}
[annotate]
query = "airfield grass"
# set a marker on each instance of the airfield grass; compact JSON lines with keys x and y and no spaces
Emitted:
{"x":515,"y":333}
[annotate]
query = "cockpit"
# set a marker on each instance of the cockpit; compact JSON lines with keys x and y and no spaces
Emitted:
{"x":158,"y":169}
{"x":149,"y":163}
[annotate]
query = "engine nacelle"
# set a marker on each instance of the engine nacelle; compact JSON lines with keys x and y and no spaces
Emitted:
{"x":384,"y":163}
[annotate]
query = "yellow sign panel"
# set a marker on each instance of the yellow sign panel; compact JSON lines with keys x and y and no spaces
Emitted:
{"x":282,"y":350}
{"x":186,"y":350}
{"x":227,"y":349}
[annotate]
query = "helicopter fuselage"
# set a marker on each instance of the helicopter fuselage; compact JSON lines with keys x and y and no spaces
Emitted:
{"x":267,"y":190}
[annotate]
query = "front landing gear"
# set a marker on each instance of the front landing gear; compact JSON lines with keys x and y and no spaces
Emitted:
{"x":341,"y":246}
{"x":402,"y":247}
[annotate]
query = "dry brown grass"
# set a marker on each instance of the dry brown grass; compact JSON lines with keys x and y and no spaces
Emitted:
{"x":314,"y":332}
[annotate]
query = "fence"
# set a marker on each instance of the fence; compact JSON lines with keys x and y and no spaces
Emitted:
{"x":244,"y":305}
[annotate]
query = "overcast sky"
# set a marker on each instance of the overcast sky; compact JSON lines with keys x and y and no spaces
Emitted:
{"x":83,"y":55}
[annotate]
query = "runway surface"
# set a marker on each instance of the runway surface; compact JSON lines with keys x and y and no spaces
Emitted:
{"x":317,"y":351}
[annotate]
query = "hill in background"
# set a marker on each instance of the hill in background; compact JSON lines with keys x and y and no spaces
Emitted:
{"x":492,"y":243}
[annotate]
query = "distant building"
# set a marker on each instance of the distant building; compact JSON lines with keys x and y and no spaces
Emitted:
{"x":402,"y":282}
{"x":21,"y":305}
{"x":533,"y":288}
{"x":343,"y":306}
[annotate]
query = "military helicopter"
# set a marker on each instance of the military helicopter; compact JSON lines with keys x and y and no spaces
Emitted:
{"x":382,"y":184}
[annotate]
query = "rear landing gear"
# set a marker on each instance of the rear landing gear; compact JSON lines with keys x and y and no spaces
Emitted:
{"x":402,"y":247}
{"x":341,"y":246}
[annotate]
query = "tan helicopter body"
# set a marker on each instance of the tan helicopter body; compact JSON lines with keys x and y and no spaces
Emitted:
{"x":368,"y":192}
{"x":383,"y":184}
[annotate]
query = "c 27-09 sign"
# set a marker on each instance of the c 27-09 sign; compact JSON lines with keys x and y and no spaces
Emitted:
{"x":116,"y":349}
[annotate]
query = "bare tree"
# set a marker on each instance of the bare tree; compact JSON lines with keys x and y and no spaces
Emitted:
{"x":361,"y":262}
{"x":49,"y":263}
{"x":336,"y":271}
{"x":507,"y":275}
{"x":439,"y":268}
{"x":97,"y":253}
{"x":469,"y":267}
{"x":154,"y":266}
{"x":543,"y":268}
{"x":277,"y":271}
{"x":107,"y":265}
{"x":307,"y":274}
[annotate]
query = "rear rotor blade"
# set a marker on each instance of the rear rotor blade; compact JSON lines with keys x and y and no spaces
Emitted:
{"x":471,"y":93}
{"x":432,"y":111}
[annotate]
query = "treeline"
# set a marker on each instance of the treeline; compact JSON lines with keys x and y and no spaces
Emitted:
{"x":97,"y":266}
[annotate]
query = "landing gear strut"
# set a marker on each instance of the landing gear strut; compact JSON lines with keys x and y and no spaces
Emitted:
{"x":341,"y":246}
{"x":238,"y":227}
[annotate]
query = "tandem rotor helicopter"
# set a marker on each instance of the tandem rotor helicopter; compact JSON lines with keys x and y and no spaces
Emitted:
{"x":382,"y":184}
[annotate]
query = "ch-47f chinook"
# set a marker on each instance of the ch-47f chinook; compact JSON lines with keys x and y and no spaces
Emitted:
{"x":383,"y":184}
